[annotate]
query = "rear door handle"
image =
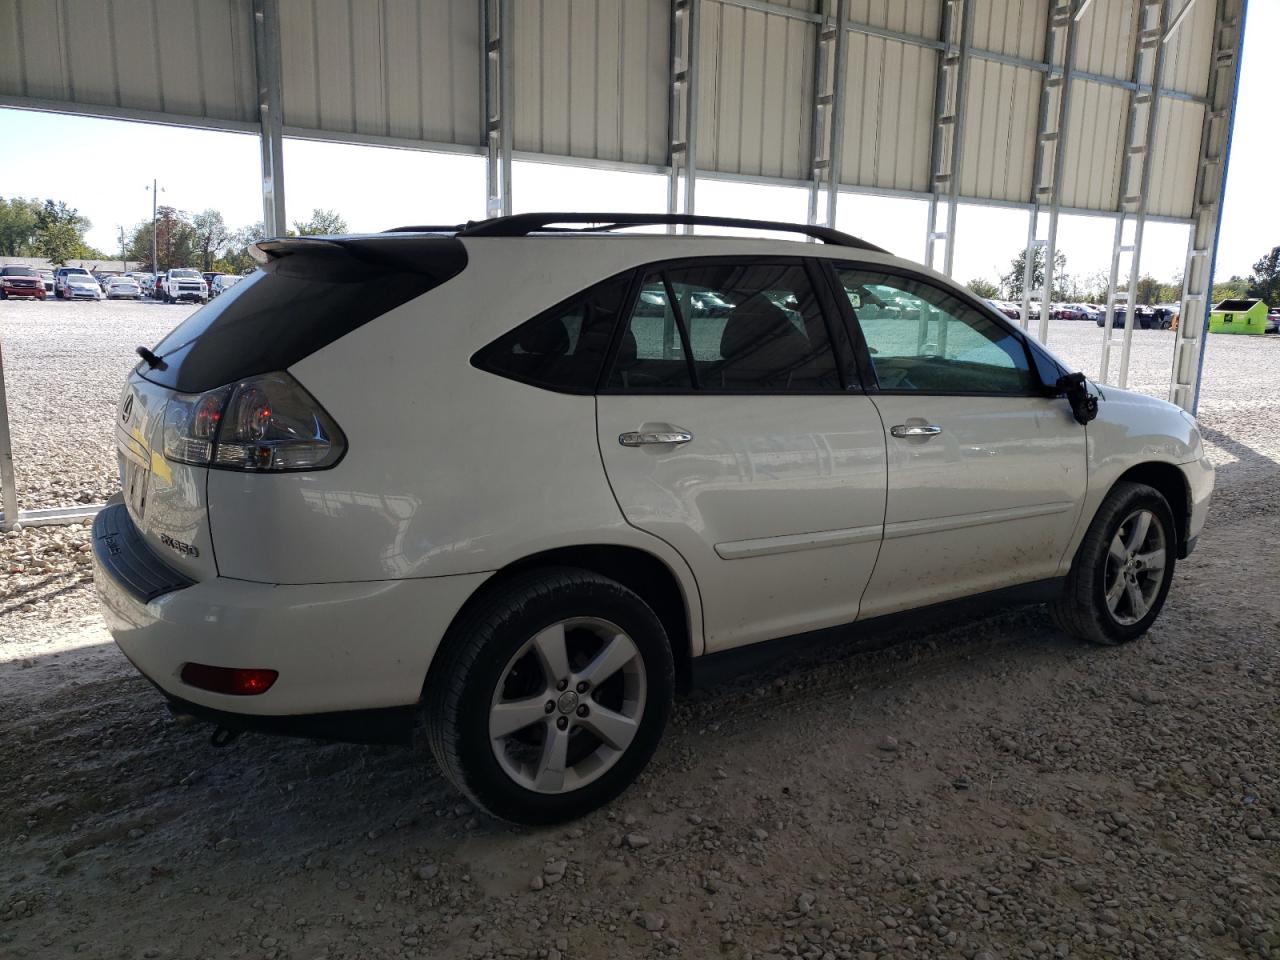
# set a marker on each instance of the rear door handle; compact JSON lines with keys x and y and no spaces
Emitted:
{"x":915,"y":430}
{"x":642,"y":438}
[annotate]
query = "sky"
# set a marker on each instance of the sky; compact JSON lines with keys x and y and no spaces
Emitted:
{"x":104,"y":168}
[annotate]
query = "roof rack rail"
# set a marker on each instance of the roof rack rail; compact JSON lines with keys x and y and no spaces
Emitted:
{"x":428,"y":228}
{"x":523,"y":224}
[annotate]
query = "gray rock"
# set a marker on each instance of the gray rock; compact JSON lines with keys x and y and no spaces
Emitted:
{"x":653,"y":922}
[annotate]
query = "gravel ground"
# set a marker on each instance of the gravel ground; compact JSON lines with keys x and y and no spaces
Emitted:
{"x":988,"y":790}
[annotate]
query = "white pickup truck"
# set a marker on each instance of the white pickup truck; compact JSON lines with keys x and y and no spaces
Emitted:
{"x":181,"y":283}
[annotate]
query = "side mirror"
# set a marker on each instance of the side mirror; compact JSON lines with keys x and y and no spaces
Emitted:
{"x":1084,"y":405}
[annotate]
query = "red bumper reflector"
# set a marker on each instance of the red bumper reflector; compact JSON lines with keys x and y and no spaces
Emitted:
{"x":230,"y":680}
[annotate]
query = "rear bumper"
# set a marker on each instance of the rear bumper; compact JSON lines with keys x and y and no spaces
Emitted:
{"x":341,"y":649}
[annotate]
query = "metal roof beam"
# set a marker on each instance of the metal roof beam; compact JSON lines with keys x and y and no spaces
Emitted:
{"x":499,"y":101}
{"x":682,"y":117}
{"x":1050,"y":152}
{"x":947,"y":145}
{"x":266,"y":59}
{"x":1211,"y":179}
{"x":827,"y":112}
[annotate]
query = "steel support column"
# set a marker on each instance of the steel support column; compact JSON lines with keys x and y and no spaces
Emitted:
{"x":947,"y":145}
{"x":266,"y":57}
{"x":827,"y":117}
{"x":1211,"y":178}
{"x":499,"y":98}
{"x":1152,"y":21}
{"x":682,"y":116}
{"x":8,"y":480}
{"x":1046,"y":185}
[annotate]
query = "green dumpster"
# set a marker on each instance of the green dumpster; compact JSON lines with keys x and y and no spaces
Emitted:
{"x":1239,"y":316}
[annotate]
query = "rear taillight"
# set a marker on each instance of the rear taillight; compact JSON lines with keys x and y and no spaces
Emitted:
{"x":236,"y":681}
{"x":263,"y":424}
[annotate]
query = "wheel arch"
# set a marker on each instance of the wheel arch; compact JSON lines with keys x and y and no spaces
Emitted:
{"x":1169,"y":480}
{"x":640,"y":571}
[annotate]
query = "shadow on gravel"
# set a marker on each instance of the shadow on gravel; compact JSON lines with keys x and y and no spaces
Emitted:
{"x":92,"y":761}
{"x":1247,"y":459}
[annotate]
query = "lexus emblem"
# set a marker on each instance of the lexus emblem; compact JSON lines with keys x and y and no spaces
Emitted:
{"x":128,"y":408}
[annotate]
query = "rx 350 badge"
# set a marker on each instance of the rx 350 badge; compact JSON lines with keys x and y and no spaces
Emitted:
{"x":185,"y":549}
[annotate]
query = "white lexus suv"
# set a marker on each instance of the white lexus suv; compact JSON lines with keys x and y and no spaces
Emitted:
{"x":517,"y":475}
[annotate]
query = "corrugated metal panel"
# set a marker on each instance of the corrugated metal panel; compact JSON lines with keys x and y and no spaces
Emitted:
{"x":591,"y":78}
{"x":1175,"y":153}
{"x":921,"y":18}
{"x":1000,"y":129}
{"x":1095,"y":131}
{"x":398,"y":68}
{"x":888,"y":113}
{"x":1190,"y":49}
{"x":1015,"y":27}
{"x":178,"y":56}
{"x":755,"y":78}
{"x":1104,"y":39}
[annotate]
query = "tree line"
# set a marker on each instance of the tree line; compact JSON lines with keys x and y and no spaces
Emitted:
{"x":1263,"y":283}
{"x":203,"y":240}
{"x":55,"y":231}
{"x":44,"y":228}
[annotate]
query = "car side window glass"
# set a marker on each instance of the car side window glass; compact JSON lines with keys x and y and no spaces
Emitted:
{"x":922,"y":338}
{"x":562,"y":348}
{"x":747,"y":327}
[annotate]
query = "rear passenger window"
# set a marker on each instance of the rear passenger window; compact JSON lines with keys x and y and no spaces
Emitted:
{"x":564,"y":347}
{"x":727,"y":327}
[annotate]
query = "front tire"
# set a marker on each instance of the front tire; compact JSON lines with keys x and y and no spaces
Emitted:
{"x":1121,"y":574}
{"x":549,"y":695}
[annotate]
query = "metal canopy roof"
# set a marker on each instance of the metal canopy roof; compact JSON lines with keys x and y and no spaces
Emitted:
{"x":591,"y":82}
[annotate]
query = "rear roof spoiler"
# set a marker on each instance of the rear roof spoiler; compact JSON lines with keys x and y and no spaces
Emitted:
{"x":416,"y":254}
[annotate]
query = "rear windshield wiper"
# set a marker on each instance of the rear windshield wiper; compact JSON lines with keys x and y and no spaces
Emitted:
{"x":152,"y":361}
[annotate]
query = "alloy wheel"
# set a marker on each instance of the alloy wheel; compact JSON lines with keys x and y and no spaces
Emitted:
{"x":1135,"y":566}
{"x":567,"y":705}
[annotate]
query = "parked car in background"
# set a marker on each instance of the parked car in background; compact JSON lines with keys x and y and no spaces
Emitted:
{"x":1068,"y":311}
{"x":771,"y":451}
{"x":182,"y":283}
{"x":21,"y":282}
{"x":47,"y":277}
{"x":76,"y":283}
{"x":147,"y":282}
{"x":1273,"y":322}
{"x":1008,"y":309}
{"x":208,"y":278}
{"x":222,"y":283}
{"x":123,"y":288}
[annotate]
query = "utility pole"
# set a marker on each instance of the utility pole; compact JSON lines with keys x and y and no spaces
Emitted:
{"x":155,"y":191}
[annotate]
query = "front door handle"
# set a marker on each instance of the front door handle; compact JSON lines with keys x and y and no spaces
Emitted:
{"x":642,"y":438}
{"x":915,"y":430}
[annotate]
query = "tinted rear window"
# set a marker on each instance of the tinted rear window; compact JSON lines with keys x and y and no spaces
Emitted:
{"x":562,"y":348}
{"x":18,"y":272}
{"x":297,"y":304}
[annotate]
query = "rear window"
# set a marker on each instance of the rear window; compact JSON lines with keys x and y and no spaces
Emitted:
{"x":297,"y":304}
{"x":562,"y":348}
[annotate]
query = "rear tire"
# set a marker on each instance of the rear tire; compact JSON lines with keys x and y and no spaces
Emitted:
{"x":549,"y":695}
{"x":1121,"y":574}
